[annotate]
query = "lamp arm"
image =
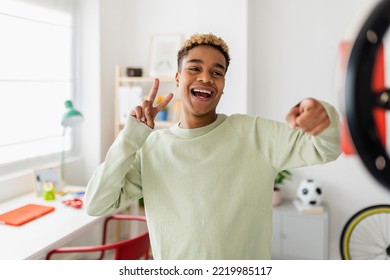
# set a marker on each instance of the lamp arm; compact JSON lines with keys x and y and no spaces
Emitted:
{"x":63,"y":156}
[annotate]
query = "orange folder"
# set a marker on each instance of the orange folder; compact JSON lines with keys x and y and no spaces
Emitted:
{"x":24,"y":214}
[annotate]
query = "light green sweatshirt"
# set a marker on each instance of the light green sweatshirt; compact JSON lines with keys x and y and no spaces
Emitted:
{"x":207,"y":191}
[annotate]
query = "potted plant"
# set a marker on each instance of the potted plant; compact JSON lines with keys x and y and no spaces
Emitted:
{"x":279,"y":180}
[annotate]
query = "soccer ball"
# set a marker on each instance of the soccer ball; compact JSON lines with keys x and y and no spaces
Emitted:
{"x":310,"y":193}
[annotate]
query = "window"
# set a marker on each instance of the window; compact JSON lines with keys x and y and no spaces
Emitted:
{"x":36,"y":77}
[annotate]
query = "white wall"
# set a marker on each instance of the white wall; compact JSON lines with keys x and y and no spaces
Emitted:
{"x":89,"y":90}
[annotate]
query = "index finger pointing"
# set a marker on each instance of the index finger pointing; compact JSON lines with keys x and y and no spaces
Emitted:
{"x":307,"y":104}
{"x":292,"y":116}
{"x":153,"y":91}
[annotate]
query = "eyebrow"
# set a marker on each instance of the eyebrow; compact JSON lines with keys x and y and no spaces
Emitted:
{"x":197,"y":60}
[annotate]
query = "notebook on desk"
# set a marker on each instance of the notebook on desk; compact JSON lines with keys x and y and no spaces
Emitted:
{"x":24,"y":214}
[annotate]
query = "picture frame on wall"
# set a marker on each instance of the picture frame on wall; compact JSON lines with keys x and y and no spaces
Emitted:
{"x":163,"y":54}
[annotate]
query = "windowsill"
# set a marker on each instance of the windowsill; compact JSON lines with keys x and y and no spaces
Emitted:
{"x":22,"y":182}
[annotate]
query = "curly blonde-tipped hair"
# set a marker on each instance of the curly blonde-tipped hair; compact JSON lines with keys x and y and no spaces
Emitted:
{"x":203,"y":39}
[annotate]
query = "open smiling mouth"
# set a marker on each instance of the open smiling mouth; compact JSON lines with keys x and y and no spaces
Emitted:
{"x":201,"y":94}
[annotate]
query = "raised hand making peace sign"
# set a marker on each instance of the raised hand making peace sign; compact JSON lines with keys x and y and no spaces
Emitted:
{"x":146,"y":112}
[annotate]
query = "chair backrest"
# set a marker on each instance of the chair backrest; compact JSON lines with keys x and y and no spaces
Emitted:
{"x":133,"y":248}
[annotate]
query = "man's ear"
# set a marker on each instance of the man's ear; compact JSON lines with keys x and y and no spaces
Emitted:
{"x":177,"y":76}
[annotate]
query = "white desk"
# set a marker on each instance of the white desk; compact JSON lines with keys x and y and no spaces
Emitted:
{"x":31,"y":240}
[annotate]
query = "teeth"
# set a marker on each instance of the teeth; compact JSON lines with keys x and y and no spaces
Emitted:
{"x":202,"y":91}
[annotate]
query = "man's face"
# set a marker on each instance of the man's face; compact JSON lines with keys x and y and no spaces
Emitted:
{"x":201,"y":81}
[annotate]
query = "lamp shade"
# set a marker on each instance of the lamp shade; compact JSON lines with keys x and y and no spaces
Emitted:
{"x":71,"y":117}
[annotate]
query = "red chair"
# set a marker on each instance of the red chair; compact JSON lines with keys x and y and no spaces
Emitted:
{"x":131,"y":249}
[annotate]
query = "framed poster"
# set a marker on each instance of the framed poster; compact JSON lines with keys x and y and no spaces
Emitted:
{"x":45,"y":175}
{"x":163,"y":54}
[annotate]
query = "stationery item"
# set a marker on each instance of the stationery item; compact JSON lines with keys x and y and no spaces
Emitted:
{"x":49,"y":191}
{"x":75,"y":203}
{"x":24,"y":214}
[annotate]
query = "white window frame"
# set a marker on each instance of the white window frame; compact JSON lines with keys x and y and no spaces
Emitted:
{"x":68,"y":142}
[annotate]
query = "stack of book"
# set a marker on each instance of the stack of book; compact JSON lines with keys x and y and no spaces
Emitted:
{"x":308,"y":210}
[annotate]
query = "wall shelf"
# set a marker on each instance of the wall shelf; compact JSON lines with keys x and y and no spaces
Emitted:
{"x":122,"y":79}
{"x":145,"y":82}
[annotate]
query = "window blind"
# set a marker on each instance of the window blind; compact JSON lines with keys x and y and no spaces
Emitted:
{"x":36,"y":76}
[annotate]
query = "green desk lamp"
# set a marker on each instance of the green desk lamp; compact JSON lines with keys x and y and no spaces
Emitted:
{"x":70,"y":118}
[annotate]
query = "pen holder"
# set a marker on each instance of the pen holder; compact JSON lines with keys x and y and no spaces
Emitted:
{"x":162,"y":115}
{"x":49,"y":191}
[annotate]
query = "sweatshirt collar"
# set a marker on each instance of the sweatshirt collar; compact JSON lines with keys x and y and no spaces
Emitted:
{"x":196,"y":132}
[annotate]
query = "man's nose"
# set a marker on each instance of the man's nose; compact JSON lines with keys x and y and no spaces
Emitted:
{"x":205,"y":77}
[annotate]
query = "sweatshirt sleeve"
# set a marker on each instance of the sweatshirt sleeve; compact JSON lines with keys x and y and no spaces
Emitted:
{"x":117,"y":180}
{"x":294,"y":148}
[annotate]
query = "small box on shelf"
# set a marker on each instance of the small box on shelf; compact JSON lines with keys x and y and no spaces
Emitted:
{"x":134,"y":72}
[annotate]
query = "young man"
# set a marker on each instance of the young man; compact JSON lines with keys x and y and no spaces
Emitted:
{"x":207,"y":181}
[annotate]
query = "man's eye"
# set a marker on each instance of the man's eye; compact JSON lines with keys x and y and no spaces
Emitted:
{"x":216,"y":73}
{"x":193,"y":69}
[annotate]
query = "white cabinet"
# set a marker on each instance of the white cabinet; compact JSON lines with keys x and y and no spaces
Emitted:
{"x":299,"y":235}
